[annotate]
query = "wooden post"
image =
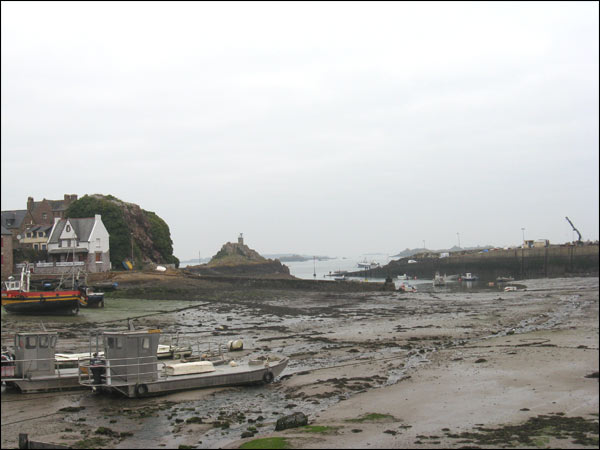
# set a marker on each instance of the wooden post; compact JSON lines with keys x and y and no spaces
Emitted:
{"x":23,"y":441}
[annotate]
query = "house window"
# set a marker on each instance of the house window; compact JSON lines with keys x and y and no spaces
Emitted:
{"x":60,"y":243}
{"x":98,"y":242}
{"x":44,"y":216}
{"x":43,"y":246}
{"x":68,"y":228}
{"x":98,"y":257}
{"x":35,"y":246}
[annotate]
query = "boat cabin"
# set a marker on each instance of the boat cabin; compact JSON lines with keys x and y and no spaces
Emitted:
{"x":12,"y":285}
{"x":34,"y":354}
{"x":131,"y":356}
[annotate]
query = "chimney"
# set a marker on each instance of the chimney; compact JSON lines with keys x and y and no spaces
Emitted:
{"x":29,"y":203}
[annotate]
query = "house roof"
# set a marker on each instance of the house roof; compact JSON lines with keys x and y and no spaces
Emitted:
{"x":57,"y":205}
{"x":4,"y":230}
{"x":40,"y":228}
{"x":16,"y":216}
{"x":81,"y":227}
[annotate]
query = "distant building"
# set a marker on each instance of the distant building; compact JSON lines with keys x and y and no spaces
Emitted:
{"x":45,"y":211}
{"x":541,"y":243}
{"x":13,"y":222}
{"x":7,"y":253}
{"x":20,"y":222}
{"x":528,"y":244}
{"x":36,"y":237}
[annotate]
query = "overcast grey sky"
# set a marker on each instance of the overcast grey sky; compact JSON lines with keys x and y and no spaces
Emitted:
{"x":318,"y":128}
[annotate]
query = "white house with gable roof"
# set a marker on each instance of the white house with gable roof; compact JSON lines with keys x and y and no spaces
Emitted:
{"x":79,"y":242}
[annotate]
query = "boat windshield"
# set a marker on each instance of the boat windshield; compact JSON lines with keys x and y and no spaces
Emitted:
{"x":12,"y":285}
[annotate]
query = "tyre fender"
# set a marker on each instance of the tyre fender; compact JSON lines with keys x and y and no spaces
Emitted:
{"x":268,"y":377}
{"x":141,"y":390}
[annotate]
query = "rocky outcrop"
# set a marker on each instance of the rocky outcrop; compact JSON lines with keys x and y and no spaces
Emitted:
{"x":233,"y":254}
{"x":240,"y":260}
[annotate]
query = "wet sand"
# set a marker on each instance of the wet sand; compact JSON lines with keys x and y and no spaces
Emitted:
{"x":374,"y":370}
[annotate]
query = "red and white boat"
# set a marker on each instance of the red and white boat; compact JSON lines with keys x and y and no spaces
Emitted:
{"x":18,"y":298}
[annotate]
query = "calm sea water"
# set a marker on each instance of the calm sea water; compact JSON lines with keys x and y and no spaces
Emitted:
{"x":308,"y":269}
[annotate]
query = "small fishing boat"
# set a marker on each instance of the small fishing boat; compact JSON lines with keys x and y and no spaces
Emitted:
{"x":130,"y":367}
{"x":402,"y":277}
{"x":406,"y":287}
{"x":93,"y":299}
{"x":469,"y":277}
{"x":337,"y":273}
{"x":368,"y":265}
{"x":439,"y":280}
{"x":18,"y":298}
{"x":504,"y":279}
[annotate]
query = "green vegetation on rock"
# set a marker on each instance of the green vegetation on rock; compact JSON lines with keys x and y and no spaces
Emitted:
{"x":151,"y":236}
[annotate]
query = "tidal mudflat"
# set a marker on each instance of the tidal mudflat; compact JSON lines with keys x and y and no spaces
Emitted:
{"x":381,"y":370}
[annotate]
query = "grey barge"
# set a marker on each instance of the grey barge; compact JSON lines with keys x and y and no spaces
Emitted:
{"x":33,"y":366}
{"x":130,"y":367}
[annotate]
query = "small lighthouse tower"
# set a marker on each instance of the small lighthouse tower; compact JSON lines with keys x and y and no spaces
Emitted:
{"x":241,"y":239}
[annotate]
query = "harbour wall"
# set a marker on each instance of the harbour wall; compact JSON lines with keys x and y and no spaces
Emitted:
{"x":298,"y":284}
{"x":519,"y":263}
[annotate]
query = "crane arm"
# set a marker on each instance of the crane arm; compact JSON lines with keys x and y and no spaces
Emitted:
{"x":575,"y":229}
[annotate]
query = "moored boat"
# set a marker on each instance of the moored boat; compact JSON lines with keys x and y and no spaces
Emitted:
{"x":504,"y":279}
{"x":439,"y":280}
{"x":35,"y":367}
{"x":18,"y":298}
{"x":406,"y":287}
{"x":368,"y":265}
{"x":130,"y":367}
{"x":469,"y":277}
{"x":93,"y":299}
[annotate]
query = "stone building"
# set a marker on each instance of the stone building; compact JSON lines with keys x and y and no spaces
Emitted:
{"x":7,"y":253}
{"x":45,"y":211}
